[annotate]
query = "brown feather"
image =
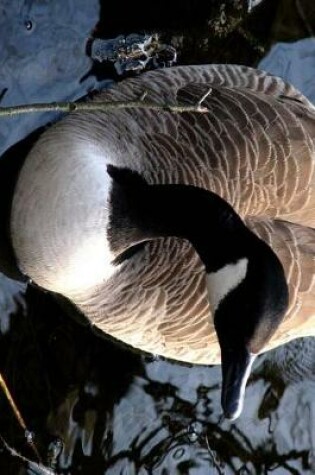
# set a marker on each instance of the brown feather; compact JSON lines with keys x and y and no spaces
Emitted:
{"x":255,"y":148}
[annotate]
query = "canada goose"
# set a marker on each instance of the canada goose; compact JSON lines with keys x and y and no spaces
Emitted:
{"x":75,"y":228}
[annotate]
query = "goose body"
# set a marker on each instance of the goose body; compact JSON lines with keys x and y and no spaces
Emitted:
{"x":255,"y":148}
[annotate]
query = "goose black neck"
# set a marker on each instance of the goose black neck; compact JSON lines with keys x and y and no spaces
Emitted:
{"x":146,"y":212}
{"x":202,"y":217}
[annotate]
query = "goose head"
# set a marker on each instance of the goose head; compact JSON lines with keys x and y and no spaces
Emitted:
{"x":247,"y":288}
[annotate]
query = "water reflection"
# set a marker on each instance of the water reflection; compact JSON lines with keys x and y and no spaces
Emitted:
{"x":97,"y":408}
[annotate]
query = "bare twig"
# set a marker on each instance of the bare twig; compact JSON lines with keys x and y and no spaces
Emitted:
{"x":40,"y":468}
{"x":10,"y":399}
{"x":18,"y":415}
{"x":143,"y":96}
{"x":204,"y":97}
{"x":93,"y":106}
{"x":213,"y":456}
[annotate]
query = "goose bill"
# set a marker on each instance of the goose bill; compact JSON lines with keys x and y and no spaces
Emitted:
{"x":236,"y":367}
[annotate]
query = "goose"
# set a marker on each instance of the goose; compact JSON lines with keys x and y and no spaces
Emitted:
{"x":190,"y":235}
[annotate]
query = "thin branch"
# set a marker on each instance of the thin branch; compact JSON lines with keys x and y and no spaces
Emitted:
{"x":40,"y":468}
{"x":105,"y":106}
{"x":143,"y":96}
{"x":10,"y":399}
{"x":18,"y":415}
{"x":213,"y":455}
{"x":204,"y":97}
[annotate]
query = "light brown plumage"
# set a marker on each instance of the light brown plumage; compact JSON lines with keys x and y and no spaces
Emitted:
{"x":255,"y":148}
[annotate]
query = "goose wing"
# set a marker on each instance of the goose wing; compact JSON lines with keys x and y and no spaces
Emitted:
{"x":295,"y":246}
{"x":164,"y":84}
{"x":255,"y":146}
{"x":163,"y":288}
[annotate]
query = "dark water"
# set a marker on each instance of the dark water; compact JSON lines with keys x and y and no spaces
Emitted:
{"x":105,"y":409}
{"x":92,"y":406}
{"x":96,"y":408}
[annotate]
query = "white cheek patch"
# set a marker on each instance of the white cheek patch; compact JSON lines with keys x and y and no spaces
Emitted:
{"x":221,"y":282}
